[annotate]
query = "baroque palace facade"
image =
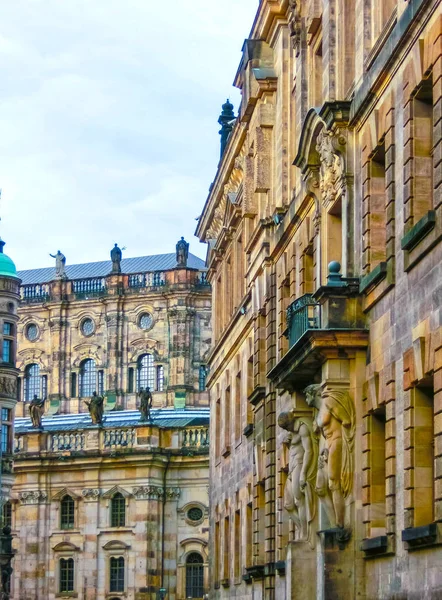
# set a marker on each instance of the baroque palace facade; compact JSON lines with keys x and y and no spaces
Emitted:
{"x":324,"y":225}
{"x":114,"y":506}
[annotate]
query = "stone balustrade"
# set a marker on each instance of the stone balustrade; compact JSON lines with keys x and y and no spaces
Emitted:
{"x":195,"y":437}
{"x":122,"y":438}
{"x":67,"y":441}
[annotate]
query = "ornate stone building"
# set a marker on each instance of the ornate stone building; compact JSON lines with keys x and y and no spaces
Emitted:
{"x":324,"y":225}
{"x":112,"y":504}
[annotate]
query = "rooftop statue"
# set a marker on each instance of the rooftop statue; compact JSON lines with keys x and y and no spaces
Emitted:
{"x":36,"y":410}
{"x":145,"y":403}
{"x":96,"y":408}
{"x":182,"y":252}
{"x":60,"y":264}
{"x":116,"y":256}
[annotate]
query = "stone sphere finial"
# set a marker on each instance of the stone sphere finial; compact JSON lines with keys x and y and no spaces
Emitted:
{"x":334,"y":267}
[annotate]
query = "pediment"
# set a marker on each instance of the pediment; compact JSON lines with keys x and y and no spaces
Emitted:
{"x":193,"y":540}
{"x":144,"y":343}
{"x":115,"y":490}
{"x":116,"y":545}
{"x":86,"y":347}
{"x":31,"y":353}
{"x":65,"y":492}
{"x":65,"y":547}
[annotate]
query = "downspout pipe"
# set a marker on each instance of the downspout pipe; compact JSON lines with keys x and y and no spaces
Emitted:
{"x":163,"y":533}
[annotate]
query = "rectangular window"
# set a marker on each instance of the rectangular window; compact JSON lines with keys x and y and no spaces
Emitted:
{"x":218,"y":429}
{"x":7,"y":351}
{"x":226,"y":548}
{"x":118,"y":511}
{"x":202,"y":378}
{"x":249,"y":535}
{"x":100,"y":383}
{"x":238,"y":420}
{"x":130,"y":380}
{"x":423,"y":458}
{"x":117,"y":574}
{"x":66,"y":575}
{"x":375,"y":217}
{"x":44,"y":387}
{"x":7,"y":514}
{"x":423,"y":151}
{"x":160,"y":378}
{"x":227,"y":419}
{"x":73,"y":385}
{"x":7,"y":328}
{"x":6,"y":441}
{"x":217,"y":554}
{"x":377,"y":474}
{"x":238,"y":545}
{"x":67,"y":513}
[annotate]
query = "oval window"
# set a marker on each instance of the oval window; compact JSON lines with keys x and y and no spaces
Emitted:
{"x":145,"y":321}
{"x":32,"y":332}
{"x":87,"y":327}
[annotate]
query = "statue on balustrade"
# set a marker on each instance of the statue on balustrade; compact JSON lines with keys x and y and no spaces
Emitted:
{"x":182,"y":252}
{"x":60,"y":265}
{"x":36,"y":410}
{"x":145,"y":403}
{"x":96,"y":408}
{"x":299,"y":499}
{"x":116,"y":256}
{"x":335,"y":419}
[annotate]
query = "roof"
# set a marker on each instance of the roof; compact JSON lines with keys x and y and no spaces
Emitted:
{"x":161,"y":417}
{"x":141,"y":264}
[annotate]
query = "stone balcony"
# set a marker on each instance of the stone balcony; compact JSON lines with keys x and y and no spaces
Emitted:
{"x":122,"y":432}
{"x":329,"y":322}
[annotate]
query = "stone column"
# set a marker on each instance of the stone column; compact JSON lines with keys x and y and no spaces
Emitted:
{"x":114,"y":303}
{"x":90,"y":554}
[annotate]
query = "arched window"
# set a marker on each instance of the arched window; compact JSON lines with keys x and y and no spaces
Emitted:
{"x":66,"y":575}
{"x":117,"y":574}
{"x":118,"y":510}
{"x":145,"y":372}
{"x":194,"y":576}
{"x":88,"y":378}
{"x":67,"y":512}
{"x":7,"y":514}
{"x":32,"y":381}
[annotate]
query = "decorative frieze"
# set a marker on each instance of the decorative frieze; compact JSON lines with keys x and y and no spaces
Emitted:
{"x":32,"y":497}
{"x":149,"y":492}
{"x":91,"y":493}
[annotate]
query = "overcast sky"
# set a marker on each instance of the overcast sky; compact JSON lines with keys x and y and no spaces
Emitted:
{"x":108,"y":122}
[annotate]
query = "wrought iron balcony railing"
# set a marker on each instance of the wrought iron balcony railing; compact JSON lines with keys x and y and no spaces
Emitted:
{"x":35,"y":293}
{"x":302,"y":314}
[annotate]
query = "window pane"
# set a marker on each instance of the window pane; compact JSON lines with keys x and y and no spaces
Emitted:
{"x":6,"y":414}
{"x":66,"y":575}
{"x":194,"y":576}
{"x":7,"y":514}
{"x":6,"y":438}
{"x":118,"y":511}
{"x":202,"y":378}
{"x":7,"y":351}
{"x":145,"y":372}
{"x":44,"y":386}
{"x":88,"y":378}
{"x":7,"y":328}
{"x":100,"y":383}
{"x":32,"y":381}
{"x":67,"y":513}
{"x":160,"y":378}
{"x":117,"y":574}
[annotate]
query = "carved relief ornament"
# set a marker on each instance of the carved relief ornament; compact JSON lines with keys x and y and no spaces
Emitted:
{"x":91,"y":493}
{"x":332,"y":171}
{"x":32,"y":497}
{"x":149,"y":492}
{"x":295,"y":24}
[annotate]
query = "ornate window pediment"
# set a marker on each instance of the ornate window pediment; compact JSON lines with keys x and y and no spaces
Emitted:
{"x":116,"y":490}
{"x":116,"y":545}
{"x":66,"y":547}
{"x":65,"y":492}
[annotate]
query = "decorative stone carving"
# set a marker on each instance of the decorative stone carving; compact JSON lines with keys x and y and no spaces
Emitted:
{"x":335,"y":419}
{"x":147,"y":492}
{"x":299,"y":499}
{"x":332,"y":172}
{"x":91,"y":493}
{"x":173,"y":493}
{"x":295,"y":24}
{"x":8,"y":387}
{"x":32,"y":497}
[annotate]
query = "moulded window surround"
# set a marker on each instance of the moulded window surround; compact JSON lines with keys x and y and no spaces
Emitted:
{"x":217,"y":557}
{"x":145,"y":372}
{"x":423,"y":455}
{"x":7,"y":514}
{"x":226,"y":553}
{"x":334,"y":234}
{"x":227,"y":420}
{"x":130,"y":380}
{"x":202,"y":378}
{"x":194,"y":575}
{"x":238,"y":407}
{"x":66,"y":575}
{"x":218,"y":429}
{"x":238,"y":545}
{"x":67,"y":512}
{"x":118,"y":510}
{"x":249,"y":534}
{"x":160,"y":378}
{"x":377,"y":474}
{"x":116,"y":574}
{"x":73,"y":385}
{"x":375,"y":229}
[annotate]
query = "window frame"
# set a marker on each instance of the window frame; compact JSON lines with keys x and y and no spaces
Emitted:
{"x":88,"y":378}
{"x":194,"y":589}
{"x":118,"y":509}
{"x":32,"y":381}
{"x":68,"y":560}
{"x":120,"y":582}
{"x":69,"y":522}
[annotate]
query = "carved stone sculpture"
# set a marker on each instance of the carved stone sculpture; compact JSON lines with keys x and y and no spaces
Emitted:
{"x":116,"y":256}
{"x":60,"y":264}
{"x":95,"y":406}
{"x":182,"y":252}
{"x":145,"y":403}
{"x":303,"y":457}
{"x":335,"y":419}
{"x":295,"y":24}
{"x":332,"y":167}
{"x":36,"y":410}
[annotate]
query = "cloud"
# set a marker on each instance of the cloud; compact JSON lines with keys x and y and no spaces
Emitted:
{"x":108,"y":114}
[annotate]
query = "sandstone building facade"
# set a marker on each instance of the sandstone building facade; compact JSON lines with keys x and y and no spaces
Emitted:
{"x":117,"y":509}
{"x":324,"y":225}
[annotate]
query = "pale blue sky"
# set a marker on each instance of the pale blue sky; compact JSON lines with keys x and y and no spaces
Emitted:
{"x":108,"y":121}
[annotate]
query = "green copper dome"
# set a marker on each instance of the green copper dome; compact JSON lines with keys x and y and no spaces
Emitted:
{"x":7,"y":266}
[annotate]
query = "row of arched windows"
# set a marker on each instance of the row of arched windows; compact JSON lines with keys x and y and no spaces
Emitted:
{"x":91,"y":379}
